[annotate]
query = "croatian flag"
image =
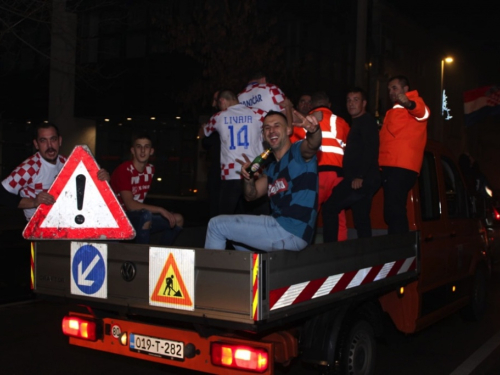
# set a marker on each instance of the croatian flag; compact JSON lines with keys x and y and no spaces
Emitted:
{"x":480,"y":103}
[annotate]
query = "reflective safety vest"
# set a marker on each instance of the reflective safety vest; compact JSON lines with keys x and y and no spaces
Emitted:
{"x":334,"y":130}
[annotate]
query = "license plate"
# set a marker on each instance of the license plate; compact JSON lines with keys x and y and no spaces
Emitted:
{"x":156,"y":346}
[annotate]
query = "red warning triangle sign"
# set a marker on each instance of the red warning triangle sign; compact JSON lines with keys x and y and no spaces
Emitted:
{"x":85,"y":208}
{"x":170,"y":286}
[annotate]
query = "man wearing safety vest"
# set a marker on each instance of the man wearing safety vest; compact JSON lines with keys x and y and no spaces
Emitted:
{"x":402,"y":141}
{"x":334,"y":130}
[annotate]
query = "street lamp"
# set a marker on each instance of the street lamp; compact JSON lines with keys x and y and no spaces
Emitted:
{"x":447,"y":60}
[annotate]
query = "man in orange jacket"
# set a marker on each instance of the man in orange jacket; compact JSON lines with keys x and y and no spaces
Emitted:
{"x":402,"y":141}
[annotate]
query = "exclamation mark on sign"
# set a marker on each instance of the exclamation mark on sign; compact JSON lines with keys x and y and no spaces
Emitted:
{"x":80,"y":189}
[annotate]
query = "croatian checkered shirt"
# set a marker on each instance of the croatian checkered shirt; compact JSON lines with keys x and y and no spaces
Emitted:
{"x":240,"y":131}
{"x":264,"y":96}
{"x":126,"y":178}
{"x":31,"y":177}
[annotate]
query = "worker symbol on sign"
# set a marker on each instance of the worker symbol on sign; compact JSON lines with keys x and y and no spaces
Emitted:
{"x":169,"y":281}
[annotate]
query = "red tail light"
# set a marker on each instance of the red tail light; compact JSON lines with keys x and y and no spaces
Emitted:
{"x":240,"y":357}
{"x":496,"y":214}
{"x":77,"y":327}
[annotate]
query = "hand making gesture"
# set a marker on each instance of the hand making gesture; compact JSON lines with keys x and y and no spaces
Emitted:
{"x":309,"y":123}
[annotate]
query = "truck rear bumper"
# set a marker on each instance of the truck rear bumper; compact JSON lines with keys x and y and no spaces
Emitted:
{"x":196,"y":353}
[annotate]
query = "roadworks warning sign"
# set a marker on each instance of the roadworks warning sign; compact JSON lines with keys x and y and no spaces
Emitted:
{"x":171,"y":278}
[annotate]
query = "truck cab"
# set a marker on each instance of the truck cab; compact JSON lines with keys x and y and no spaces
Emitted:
{"x":453,"y":268}
{"x":453,"y":246}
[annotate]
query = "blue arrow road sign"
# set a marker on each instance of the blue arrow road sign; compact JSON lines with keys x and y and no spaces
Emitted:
{"x":88,"y":269}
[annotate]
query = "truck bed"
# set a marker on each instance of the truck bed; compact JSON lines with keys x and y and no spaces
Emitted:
{"x":247,"y":290}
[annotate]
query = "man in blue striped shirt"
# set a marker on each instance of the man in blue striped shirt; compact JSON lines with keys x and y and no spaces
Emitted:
{"x":290,"y":181}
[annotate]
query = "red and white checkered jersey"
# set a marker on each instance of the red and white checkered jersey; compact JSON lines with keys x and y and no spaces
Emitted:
{"x":126,"y":178}
{"x":240,"y":132}
{"x":31,"y":177}
{"x":264,"y":96}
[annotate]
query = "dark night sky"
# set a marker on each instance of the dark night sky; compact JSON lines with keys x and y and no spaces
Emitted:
{"x":475,"y":20}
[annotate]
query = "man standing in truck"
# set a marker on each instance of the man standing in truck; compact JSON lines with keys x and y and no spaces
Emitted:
{"x":262,"y":95}
{"x":131,"y":182}
{"x":240,"y":131}
{"x":330,"y":157}
{"x":291,"y":183}
{"x":361,"y":171}
{"x":402,"y":141}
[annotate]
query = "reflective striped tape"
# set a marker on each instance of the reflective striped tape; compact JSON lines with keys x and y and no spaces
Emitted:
{"x":32,"y":266}
{"x":255,"y":287}
{"x":332,"y":149}
{"x":426,"y":115}
{"x":308,"y":290}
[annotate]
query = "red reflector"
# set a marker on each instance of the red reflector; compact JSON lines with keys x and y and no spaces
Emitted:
{"x":240,"y":357}
{"x":78,"y":327}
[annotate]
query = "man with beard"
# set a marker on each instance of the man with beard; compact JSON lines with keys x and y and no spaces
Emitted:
{"x":402,"y":142}
{"x":291,"y":182}
{"x":26,"y":187}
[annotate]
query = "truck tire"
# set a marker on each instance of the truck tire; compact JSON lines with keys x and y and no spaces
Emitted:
{"x":475,"y":310}
{"x":358,"y":349}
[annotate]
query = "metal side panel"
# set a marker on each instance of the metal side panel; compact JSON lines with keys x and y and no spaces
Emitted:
{"x":222,"y":280}
{"x":327,"y":273}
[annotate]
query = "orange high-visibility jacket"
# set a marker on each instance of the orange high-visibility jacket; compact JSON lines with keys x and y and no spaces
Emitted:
{"x":334,"y":130}
{"x":403,"y":135}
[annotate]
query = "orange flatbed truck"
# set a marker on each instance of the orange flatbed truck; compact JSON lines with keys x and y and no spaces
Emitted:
{"x":230,"y":312}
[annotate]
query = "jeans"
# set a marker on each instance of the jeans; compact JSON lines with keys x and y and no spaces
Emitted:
{"x":158,"y":224}
{"x":250,"y":232}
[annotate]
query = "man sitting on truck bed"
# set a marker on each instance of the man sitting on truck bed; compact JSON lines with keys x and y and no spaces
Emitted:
{"x":131,"y":181}
{"x":291,"y":182}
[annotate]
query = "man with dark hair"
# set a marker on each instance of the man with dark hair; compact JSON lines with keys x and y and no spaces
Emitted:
{"x":131,"y":182}
{"x":361,"y":171}
{"x":291,"y":182}
{"x":26,"y":187}
{"x":402,"y":142}
{"x":212,"y":145}
{"x":240,"y":131}
{"x":304,"y":105}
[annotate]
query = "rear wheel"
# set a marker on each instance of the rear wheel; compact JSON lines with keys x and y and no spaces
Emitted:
{"x":477,"y":306}
{"x":358,"y":349}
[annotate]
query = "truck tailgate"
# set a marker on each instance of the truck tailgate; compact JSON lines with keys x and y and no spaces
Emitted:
{"x":229,"y":286}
